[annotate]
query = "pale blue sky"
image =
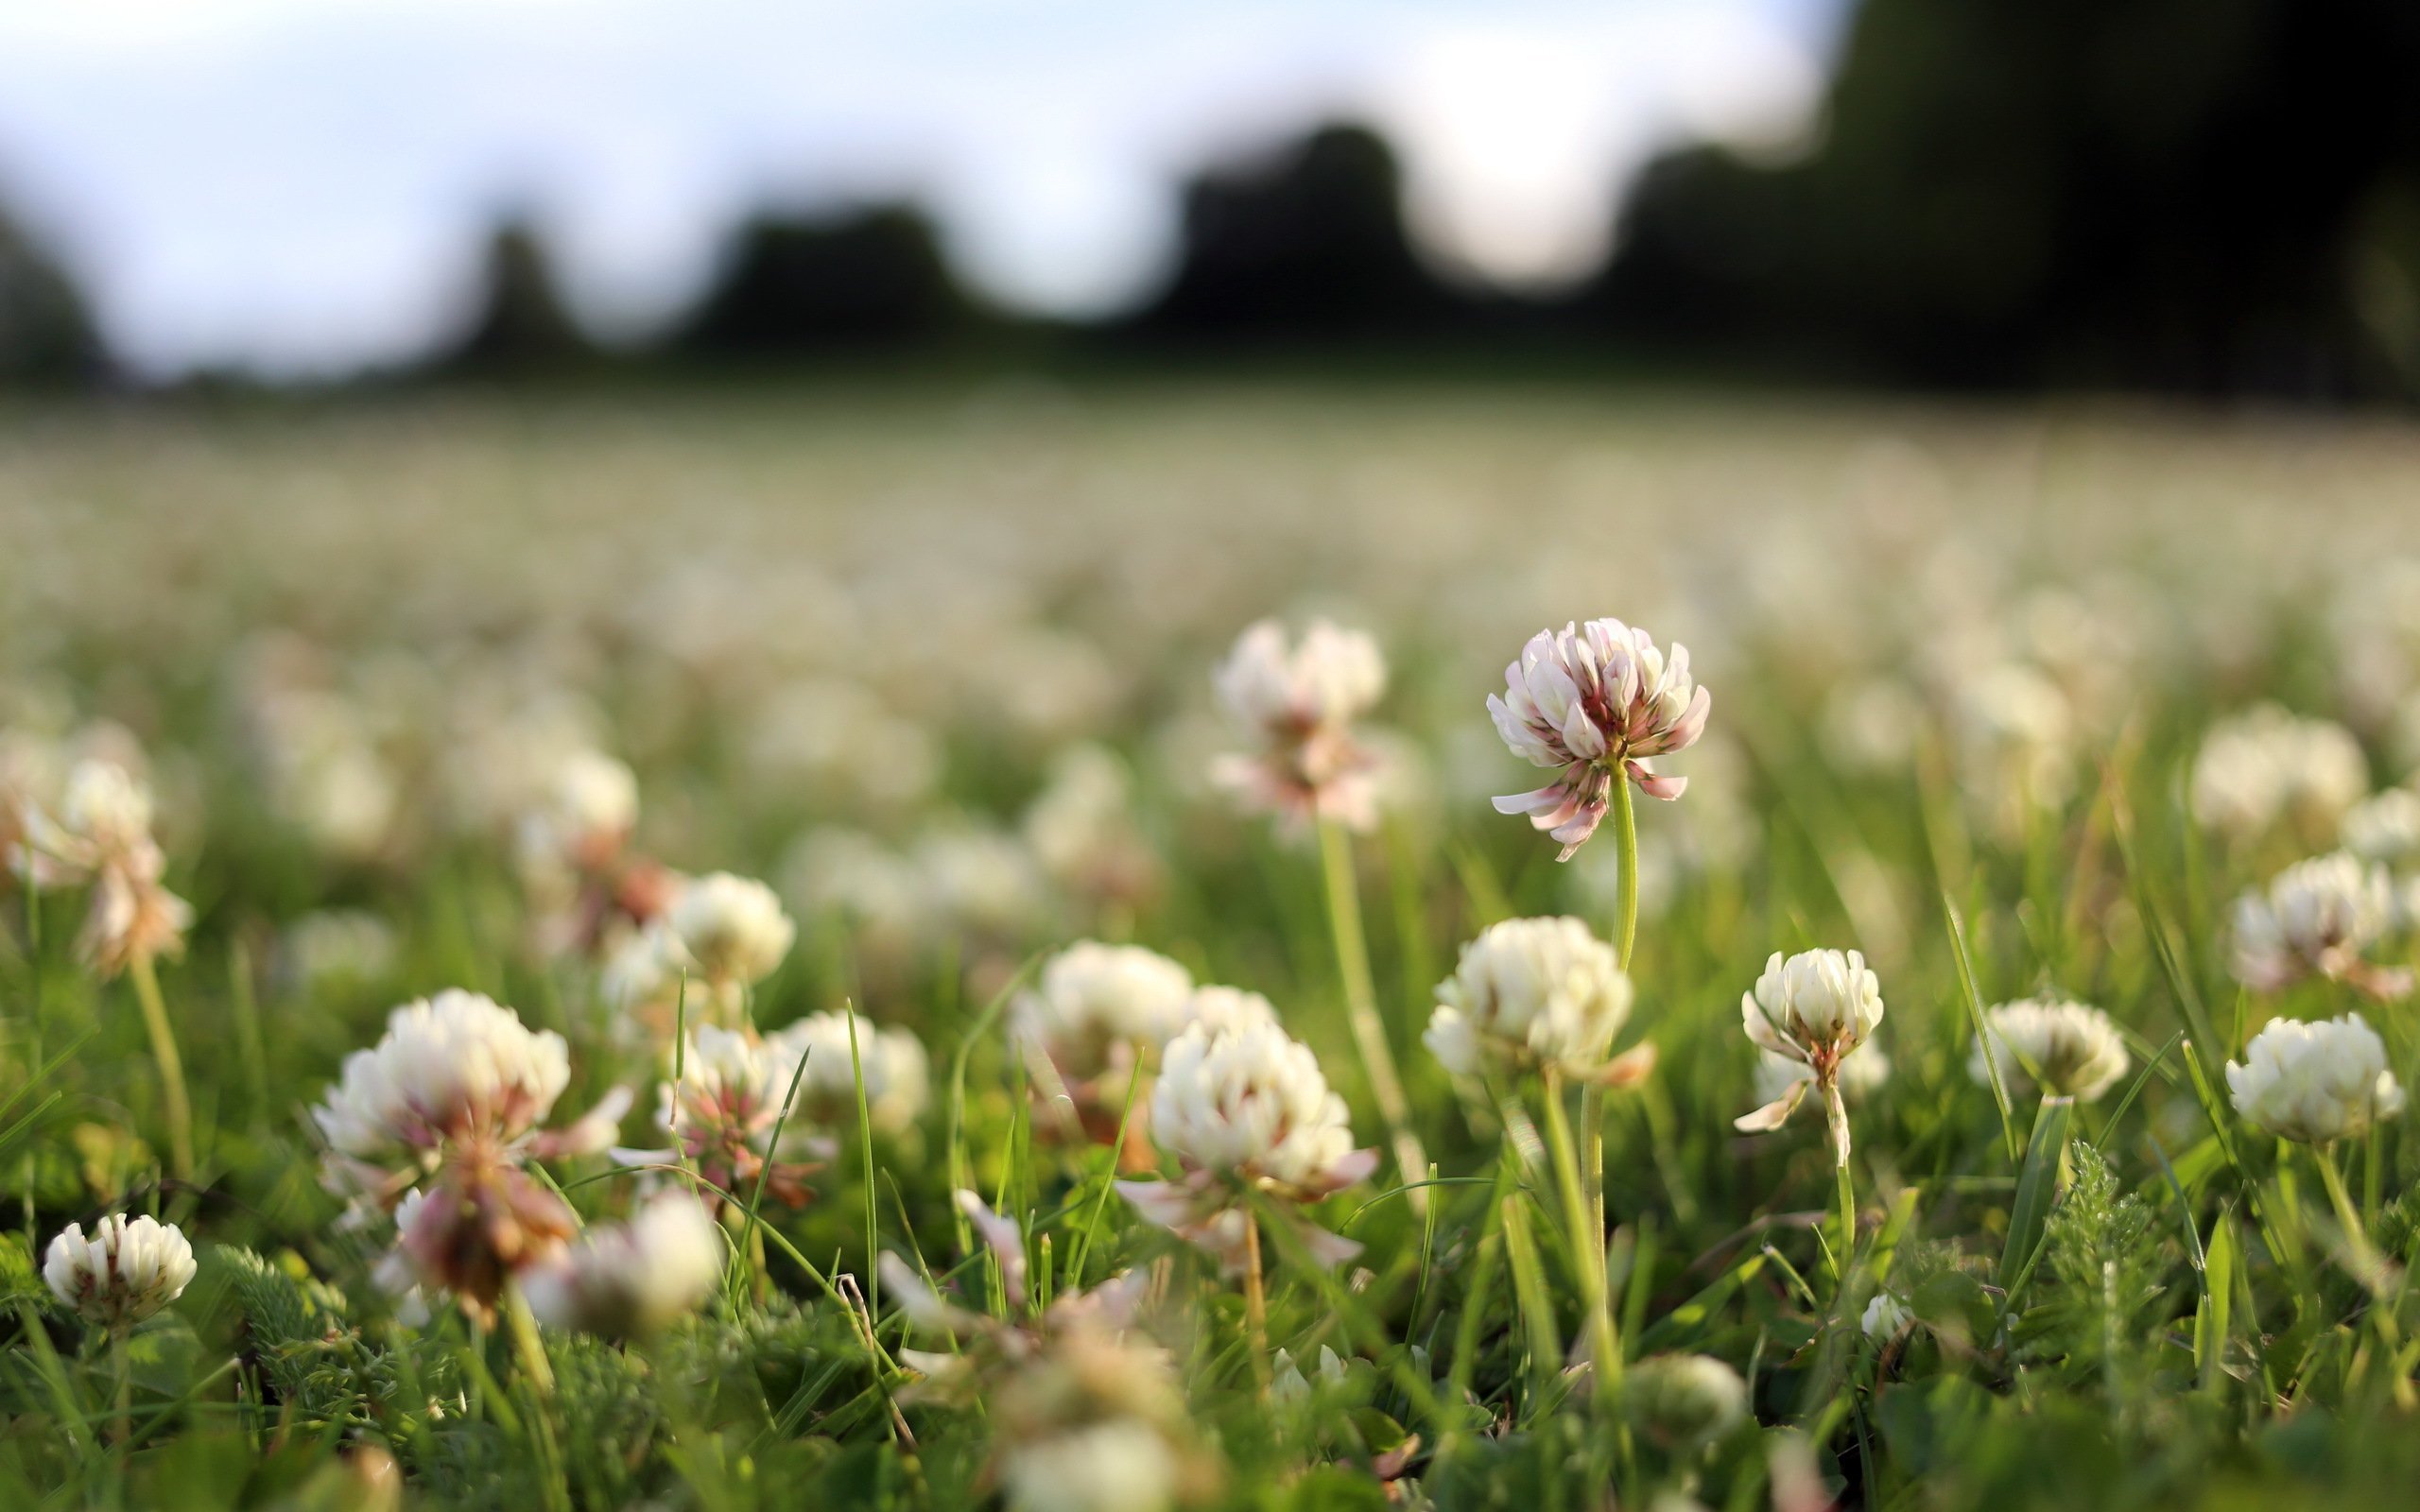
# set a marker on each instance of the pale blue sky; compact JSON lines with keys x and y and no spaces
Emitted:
{"x":301,"y":186}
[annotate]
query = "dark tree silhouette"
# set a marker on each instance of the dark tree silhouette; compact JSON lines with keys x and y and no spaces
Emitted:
{"x":2211,"y":196}
{"x":46,"y":338}
{"x":522,"y":329}
{"x":874,"y":277}
{"x":1305,"y":246}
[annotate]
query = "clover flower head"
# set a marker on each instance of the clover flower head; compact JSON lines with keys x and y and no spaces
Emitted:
{"x":2267,"y":765}
{"x":1686,"y":1401}
{"x":123,"y":1272}
{"x":2062,"y":1048}
{"x":1531,"y":992}
{"x":897,"y":1075}
{"x":451,"y":1068}
{"x":1299,"y":702}
{"x":2316,"y":1083}
{"x":2384,"y":828}
{"x":1597,"y":702}
{"x":2318,"y":917}
{"x":732,"y":929}
{"x":1816,"y":1008}
{"x":1097,"y":1008}
{"x":634,"y":1279}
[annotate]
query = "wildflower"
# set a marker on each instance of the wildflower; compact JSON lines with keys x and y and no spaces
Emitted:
{"x":2015,"y":738}
{"x":1082,"y":831}
{"x":2315,"y":1082}
{"x":721,"y":1113}
{"x":631,"y":1280}
{"x":1096,"y":1423}
{"x":585,"y":816}
{"x":2317,"y":918}
{"x":128,"y":1270}
{"x":1598,"y":701}
{"x":2384,"y":829}
{"x":1535,"y":992}
{"x":1302,"y":701}
{"x":587,"y":889}
{"x":1246,"y":1107}
{"x":1686,"y":1401}
{"x":1885,"y":1316}
{"x":1095,"y":1010}
{"x":1815,"y":1008}
{"x":732,"y":929}
{"x":896,"y":1077}
{"x":2265,"y":764}
{"x":454,"y":1092}
{"x":2066,"y":1049}
{"x":103,"y":835}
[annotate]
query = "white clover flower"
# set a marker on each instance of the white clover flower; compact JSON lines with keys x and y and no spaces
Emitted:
{"x":632,"y":1279}
{"x":1597,"y":702}
{"x":583,"y":820}
{"x":2061,"y":1048}
{"x":2016,"y":739}
{"x":1885,"y":1316}
{"x":1531,"y":992}
{"x":2384,"y":829}
{"x":103,"y":835}
{"x":1686,"y":1401}
{"x":2315,"y":1082}
{"x":897,"y":1077}
{"x":2267,"y":765}
{"x":451,"y":1068}
{"x":1860,"y":1075}
{"x":1097,"y":1008}
{"x":1120,"y":1465}
{"x":1301,"y":702}
{"x":732,"y":927}
{"x":1246,"y":1104}
{"x":2318,"y":917}
{"x":1251,"y":1102}
{"x":1218,"y":1009}
{"x":1815,"y":1007}
{"x":129,"y":1270}
{"x":105,"y":805}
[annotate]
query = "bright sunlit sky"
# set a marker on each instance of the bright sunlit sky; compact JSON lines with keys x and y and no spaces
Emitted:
{"x":305,"y":186}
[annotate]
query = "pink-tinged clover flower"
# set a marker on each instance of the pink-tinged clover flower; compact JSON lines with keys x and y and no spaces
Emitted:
{"x":1594,"y":701}
{"x":1301,"y":700}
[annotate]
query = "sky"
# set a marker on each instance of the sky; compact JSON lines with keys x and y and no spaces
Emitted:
{"x":300,"y":188}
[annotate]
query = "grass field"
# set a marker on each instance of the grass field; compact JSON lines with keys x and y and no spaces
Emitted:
{"x":1995,"y":702}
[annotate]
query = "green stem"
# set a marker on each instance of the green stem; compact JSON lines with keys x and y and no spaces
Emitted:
{"x":1626,"y":854}
{"x":1587,"y":1242}
{"x":172,"y":1066}
{"x":1361,"y":1008}
{"x":526,"y":1346}
{"x":2357,"y":1238}
{"x":124,"y":1400}
{"x":1836,"y":1113}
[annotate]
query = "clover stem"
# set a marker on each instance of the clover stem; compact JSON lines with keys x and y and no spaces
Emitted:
{"x":1361,"y":1008}
{"x":1587,"y":1239}
{"x":172,"y":1066}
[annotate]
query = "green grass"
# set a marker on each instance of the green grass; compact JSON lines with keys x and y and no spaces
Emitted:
{"x":2137,"y":1302}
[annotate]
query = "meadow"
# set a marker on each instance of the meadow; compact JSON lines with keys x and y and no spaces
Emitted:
{"x":936,"y":947}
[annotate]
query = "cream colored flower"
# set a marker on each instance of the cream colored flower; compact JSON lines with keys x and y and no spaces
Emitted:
{"x":1528,"y":993}
{"x":103,"y":835}
{"x":2318,"y":917}
{"x":897,"y":1077}
{"x":2061,"y":1049}
{"x":128,"y":1269}
{"x":2267,"y":765}
{"x":2315,"y":1082}
{"x":1885,"y":1316}
{"x":1598,"y":701}
{"x":1300,"y":702}
{"x":1094,"y":1008}
{"x":449,"y":1067}
{"x":631,"y":1280}
{"x":2385,"y":828}
{"x":733,"y":928}
{"x":1815,"y":1008}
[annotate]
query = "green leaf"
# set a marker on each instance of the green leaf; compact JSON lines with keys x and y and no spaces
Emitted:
{"x":2037,"y":1183}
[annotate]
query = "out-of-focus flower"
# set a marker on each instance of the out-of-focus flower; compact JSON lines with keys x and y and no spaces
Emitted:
{"x":732,"y":928}
{"x":334,"y":946}
{"x":103,"y":835}
{"x":1885,"y":1316}
{"x":897,"y":1077}
{"x":2265,"y":765}
{"x":1246,"y":1107}
{"x":573,"y":846}
{"x":2318,"y":917}
{"x":1815,"y":1007}
{"x":634,"y":1279}
{"x":983,"y":880}
{"x":1302,"y":701}
{"x":1081,"y":828}
{"x":1684,"y":1401}
{"x":2064,"y":1049}
{"x":1096,"y":1423}
{"x":1596,"y":701}
{"x":454,"y":1092}
{"x":721,"y":1113}
{"x":1536,"y":993}
{"x":1096,"y":1009}
{"x":2315,"y":1082}
{"x":128,"y":1269}
{"x":2016,"y":741}
{"x":2385,"y":828}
